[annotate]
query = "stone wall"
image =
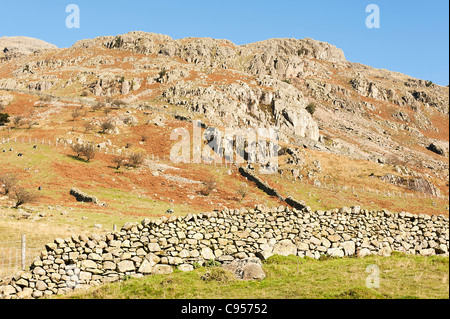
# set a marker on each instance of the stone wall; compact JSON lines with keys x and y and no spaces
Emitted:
{"x":156,"y":246}
{"x":265,"y":187}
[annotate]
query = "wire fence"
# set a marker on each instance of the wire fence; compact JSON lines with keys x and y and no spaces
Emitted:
{"x":16,"y":256}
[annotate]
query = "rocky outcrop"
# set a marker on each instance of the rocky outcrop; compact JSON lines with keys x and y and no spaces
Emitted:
{"x":228,"y":236}
{"x":19,"y":46}
{"x":239,"y":104}
{"x":439,"y":148}
{"x":417,"y":184}
{"x":277,"y":57}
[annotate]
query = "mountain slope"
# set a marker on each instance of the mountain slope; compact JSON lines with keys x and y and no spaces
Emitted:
{"x":361,"y":113}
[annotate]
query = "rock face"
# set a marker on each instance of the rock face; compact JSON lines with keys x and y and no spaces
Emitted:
{"x":231,"y":237}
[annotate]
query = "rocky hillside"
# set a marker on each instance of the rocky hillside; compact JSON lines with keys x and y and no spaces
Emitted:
{"x":305,"y":87}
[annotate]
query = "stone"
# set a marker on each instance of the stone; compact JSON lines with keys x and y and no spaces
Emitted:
{"x":154,"y":247}
{"x":198,"y":236}
{"x":146,"y":267}
{"x":364,"y":252}
{"x":7,"y":290}
{"x":39,"y":271}
{"x":125,"y":266}
{"x":334,"y":238}
{"x":40,"y":285}
{"x":26,"y":293}
{"x":89,"y":264}
{"x":349,"y":248}
{"x":427,"y":252}
{"x":285,"y":248}
{"x":335,"y":252}
{"x":109,"y":265}
{"x":385,"y":252}
{"x":207,"y":254}
{"x":162,"y":269}
{"x":302,"y":247}
{"x":186,"y":267}
{"x":326,"y":242}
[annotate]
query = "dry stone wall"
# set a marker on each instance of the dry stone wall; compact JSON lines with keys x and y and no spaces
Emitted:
{"x":156,"y":246}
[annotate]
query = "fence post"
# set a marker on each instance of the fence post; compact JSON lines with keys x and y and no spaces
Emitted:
{"x":23,"y":251}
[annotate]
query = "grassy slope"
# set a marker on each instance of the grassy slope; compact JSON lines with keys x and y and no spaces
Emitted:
{"x":293,"y":278}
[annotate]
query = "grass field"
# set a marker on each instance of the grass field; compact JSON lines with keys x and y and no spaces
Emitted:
{"x":401,"y":277}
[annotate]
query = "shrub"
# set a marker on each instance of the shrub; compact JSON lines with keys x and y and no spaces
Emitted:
{"x":118,"y":42}
{"x":45,"y":99}
{"x":77,"y":113}
{"x":29,"y":123}
{"x":98,"y":106}
{"x":162,"y":73}
{"x":136,"y":159}
{"x":17,"y":120}
{"x":89,"y":151}
{"x":4,"y":118}
{"x":9,"y":182}
{"x":77,"y":148}
{"x":86,"y":150}
{"x":22,"y":196}
{"x":209,"y":186}
{"x":129,"y":120}
{"x":107,"y":125}
{"x":311,"y":108}
{"x":119,"y":161}
{"x":242,"y":192}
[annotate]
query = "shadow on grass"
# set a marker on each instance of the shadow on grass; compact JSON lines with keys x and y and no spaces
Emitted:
{"x":78,"y":158}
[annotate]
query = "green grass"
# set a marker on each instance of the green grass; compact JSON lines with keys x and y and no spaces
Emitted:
{"x":401,"y":277}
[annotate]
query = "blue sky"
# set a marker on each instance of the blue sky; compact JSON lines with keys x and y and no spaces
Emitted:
{"x":412,"y":39}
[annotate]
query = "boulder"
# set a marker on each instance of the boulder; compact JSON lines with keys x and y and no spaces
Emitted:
{"x":246,"y":269}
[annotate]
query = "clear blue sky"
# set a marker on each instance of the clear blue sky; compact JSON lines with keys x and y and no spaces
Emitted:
{"x":413,"y":38}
